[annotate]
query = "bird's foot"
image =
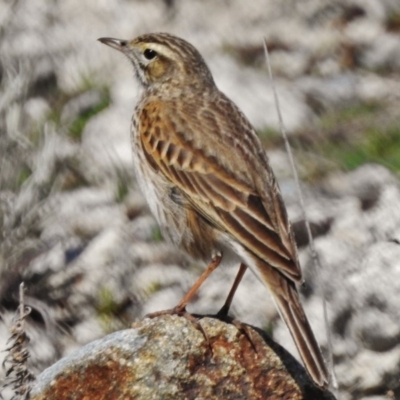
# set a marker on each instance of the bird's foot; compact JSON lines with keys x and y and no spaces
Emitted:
{"x":244,"y":329}
{"x":181,"y":312}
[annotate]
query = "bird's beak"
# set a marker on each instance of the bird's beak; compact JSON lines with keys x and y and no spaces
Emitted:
{"x":118,"y":44}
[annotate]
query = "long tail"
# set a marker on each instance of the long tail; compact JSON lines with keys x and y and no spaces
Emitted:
{"x":288,"y":302}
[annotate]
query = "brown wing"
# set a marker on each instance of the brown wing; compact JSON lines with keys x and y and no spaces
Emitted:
{"x":213,"y":156}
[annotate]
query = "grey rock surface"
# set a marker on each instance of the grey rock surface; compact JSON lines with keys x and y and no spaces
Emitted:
{"x":169,"y":358}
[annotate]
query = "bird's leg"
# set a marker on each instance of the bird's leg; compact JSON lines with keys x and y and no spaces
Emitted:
{"x":216,"y":260}
{"x":223,"y":312}
{"x":180,"y":308}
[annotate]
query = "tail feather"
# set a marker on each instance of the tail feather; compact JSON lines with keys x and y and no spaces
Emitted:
{"x":287,"y":300}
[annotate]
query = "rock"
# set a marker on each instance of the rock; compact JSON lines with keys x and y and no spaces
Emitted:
{"x":255,"y":98}
{"x":374,"y":289}
{"x":365,"y":320}
{"x":37,"y":109}
{"x":365,"y":183}
{"x":86,"y":211}
{"x":104,"y":158}
{"x":334,"y":90}
{"x":383,"y":53}
{"x":168,"y":358}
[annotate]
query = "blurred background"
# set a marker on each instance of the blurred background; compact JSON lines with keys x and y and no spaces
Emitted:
{"x":77,"y":231}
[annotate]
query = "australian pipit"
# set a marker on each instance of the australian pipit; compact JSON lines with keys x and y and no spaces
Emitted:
{"x":206,"y":177}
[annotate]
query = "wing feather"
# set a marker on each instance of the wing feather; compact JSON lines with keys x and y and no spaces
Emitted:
{"x":252,"y":214}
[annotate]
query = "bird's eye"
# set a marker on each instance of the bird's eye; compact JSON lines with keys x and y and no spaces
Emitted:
{"x":149,"y":54}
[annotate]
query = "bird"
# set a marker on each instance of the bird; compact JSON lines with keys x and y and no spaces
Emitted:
{"x":207,"y":180}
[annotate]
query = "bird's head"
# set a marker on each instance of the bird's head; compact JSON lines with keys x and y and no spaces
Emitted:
{"x":162,"y":59}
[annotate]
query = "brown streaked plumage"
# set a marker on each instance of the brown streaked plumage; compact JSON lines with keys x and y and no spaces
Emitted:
{"x":207,"y":179}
